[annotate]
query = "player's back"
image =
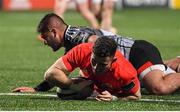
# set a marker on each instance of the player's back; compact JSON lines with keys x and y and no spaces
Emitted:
{"x":77,"y":35}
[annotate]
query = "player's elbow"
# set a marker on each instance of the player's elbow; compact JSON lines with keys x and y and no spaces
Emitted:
{"x":49,"y":75}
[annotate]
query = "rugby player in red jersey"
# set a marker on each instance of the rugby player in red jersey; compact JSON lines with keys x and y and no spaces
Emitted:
{"x":103,"y":64}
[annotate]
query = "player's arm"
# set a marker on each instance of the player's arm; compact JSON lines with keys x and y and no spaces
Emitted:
{"x":57,"y":75}
{"x":106,"y":96}
{"x":42,"y":87}
{"x":131,"y":92}
{"x":135,"y":96}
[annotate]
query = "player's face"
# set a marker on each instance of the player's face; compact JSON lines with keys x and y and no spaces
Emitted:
{"x":101,"y":65}
{"x":51,"y":39}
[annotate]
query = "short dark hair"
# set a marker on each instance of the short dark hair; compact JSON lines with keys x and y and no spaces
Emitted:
{"x":104,"y":46}
{"x":45,"y":21}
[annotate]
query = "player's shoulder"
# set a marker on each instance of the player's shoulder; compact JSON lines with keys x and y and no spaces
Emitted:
{"x":84,"y":47}
{"x":125,"y":73}
{"x":85,"y":44}
{"x":80,"y":53}
{"x":124,"y":68}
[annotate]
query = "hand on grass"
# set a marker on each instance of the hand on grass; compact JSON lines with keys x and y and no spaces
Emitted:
{"x":104,"y":96}
{"x":24,"y":90}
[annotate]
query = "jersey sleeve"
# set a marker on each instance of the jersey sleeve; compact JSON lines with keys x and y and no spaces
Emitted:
{"x":132,"y":86}
{"x":130,"y":80}
{"x":128,"y":75}
{"x":75,"y":36}
{"x":76,"y":57}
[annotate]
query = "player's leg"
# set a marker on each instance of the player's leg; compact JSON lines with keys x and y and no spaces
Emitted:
{"x":83,"y":7}
{"x":155,"y":76}
{"x":60,"y":7}
{"x":157,"y":82}
{"x":174,"y":63}
{"x":107,"y":13}
{"x":96,"y":7}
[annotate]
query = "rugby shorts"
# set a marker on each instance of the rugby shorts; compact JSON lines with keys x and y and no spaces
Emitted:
{"x":145,"y":57}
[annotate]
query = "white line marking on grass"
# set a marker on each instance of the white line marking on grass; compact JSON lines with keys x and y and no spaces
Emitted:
{"x":26,"y":94}
{"x":55,"y":96}
{"x":160,"y":100}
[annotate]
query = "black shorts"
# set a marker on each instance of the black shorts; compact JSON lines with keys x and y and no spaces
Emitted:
{"x":143,"y":55}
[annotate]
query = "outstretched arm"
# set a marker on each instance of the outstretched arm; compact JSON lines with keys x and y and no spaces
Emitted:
{"x":130,"y":91}
{"x":54,"y":73}
{"x":135,"y":96}
{"x":42,"y":87}
{"x":106,"y":96}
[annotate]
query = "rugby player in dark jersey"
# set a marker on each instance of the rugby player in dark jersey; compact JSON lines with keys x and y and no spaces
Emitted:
{"x":154,"y":75}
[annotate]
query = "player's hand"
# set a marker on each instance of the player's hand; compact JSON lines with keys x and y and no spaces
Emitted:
{"x":25,"y":89}
{"x":104,"y":96}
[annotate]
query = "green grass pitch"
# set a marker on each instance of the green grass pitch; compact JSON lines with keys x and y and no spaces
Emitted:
{"x":23,"y":59}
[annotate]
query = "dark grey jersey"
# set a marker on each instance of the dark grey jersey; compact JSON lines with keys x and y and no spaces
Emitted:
{"x":77,"y":35}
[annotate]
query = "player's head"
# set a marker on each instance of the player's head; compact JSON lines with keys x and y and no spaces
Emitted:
{"x":104,"y":50}
{"x":52,"y":27}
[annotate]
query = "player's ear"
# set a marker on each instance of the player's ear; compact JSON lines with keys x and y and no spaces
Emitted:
{"x":53,"y":30}
{"x":92,"y":38}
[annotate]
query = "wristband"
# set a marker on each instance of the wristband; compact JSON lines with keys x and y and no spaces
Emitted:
{"x":43,"y":86}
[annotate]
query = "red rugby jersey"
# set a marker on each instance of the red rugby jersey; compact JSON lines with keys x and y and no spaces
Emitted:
{"x":121,"y":78}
